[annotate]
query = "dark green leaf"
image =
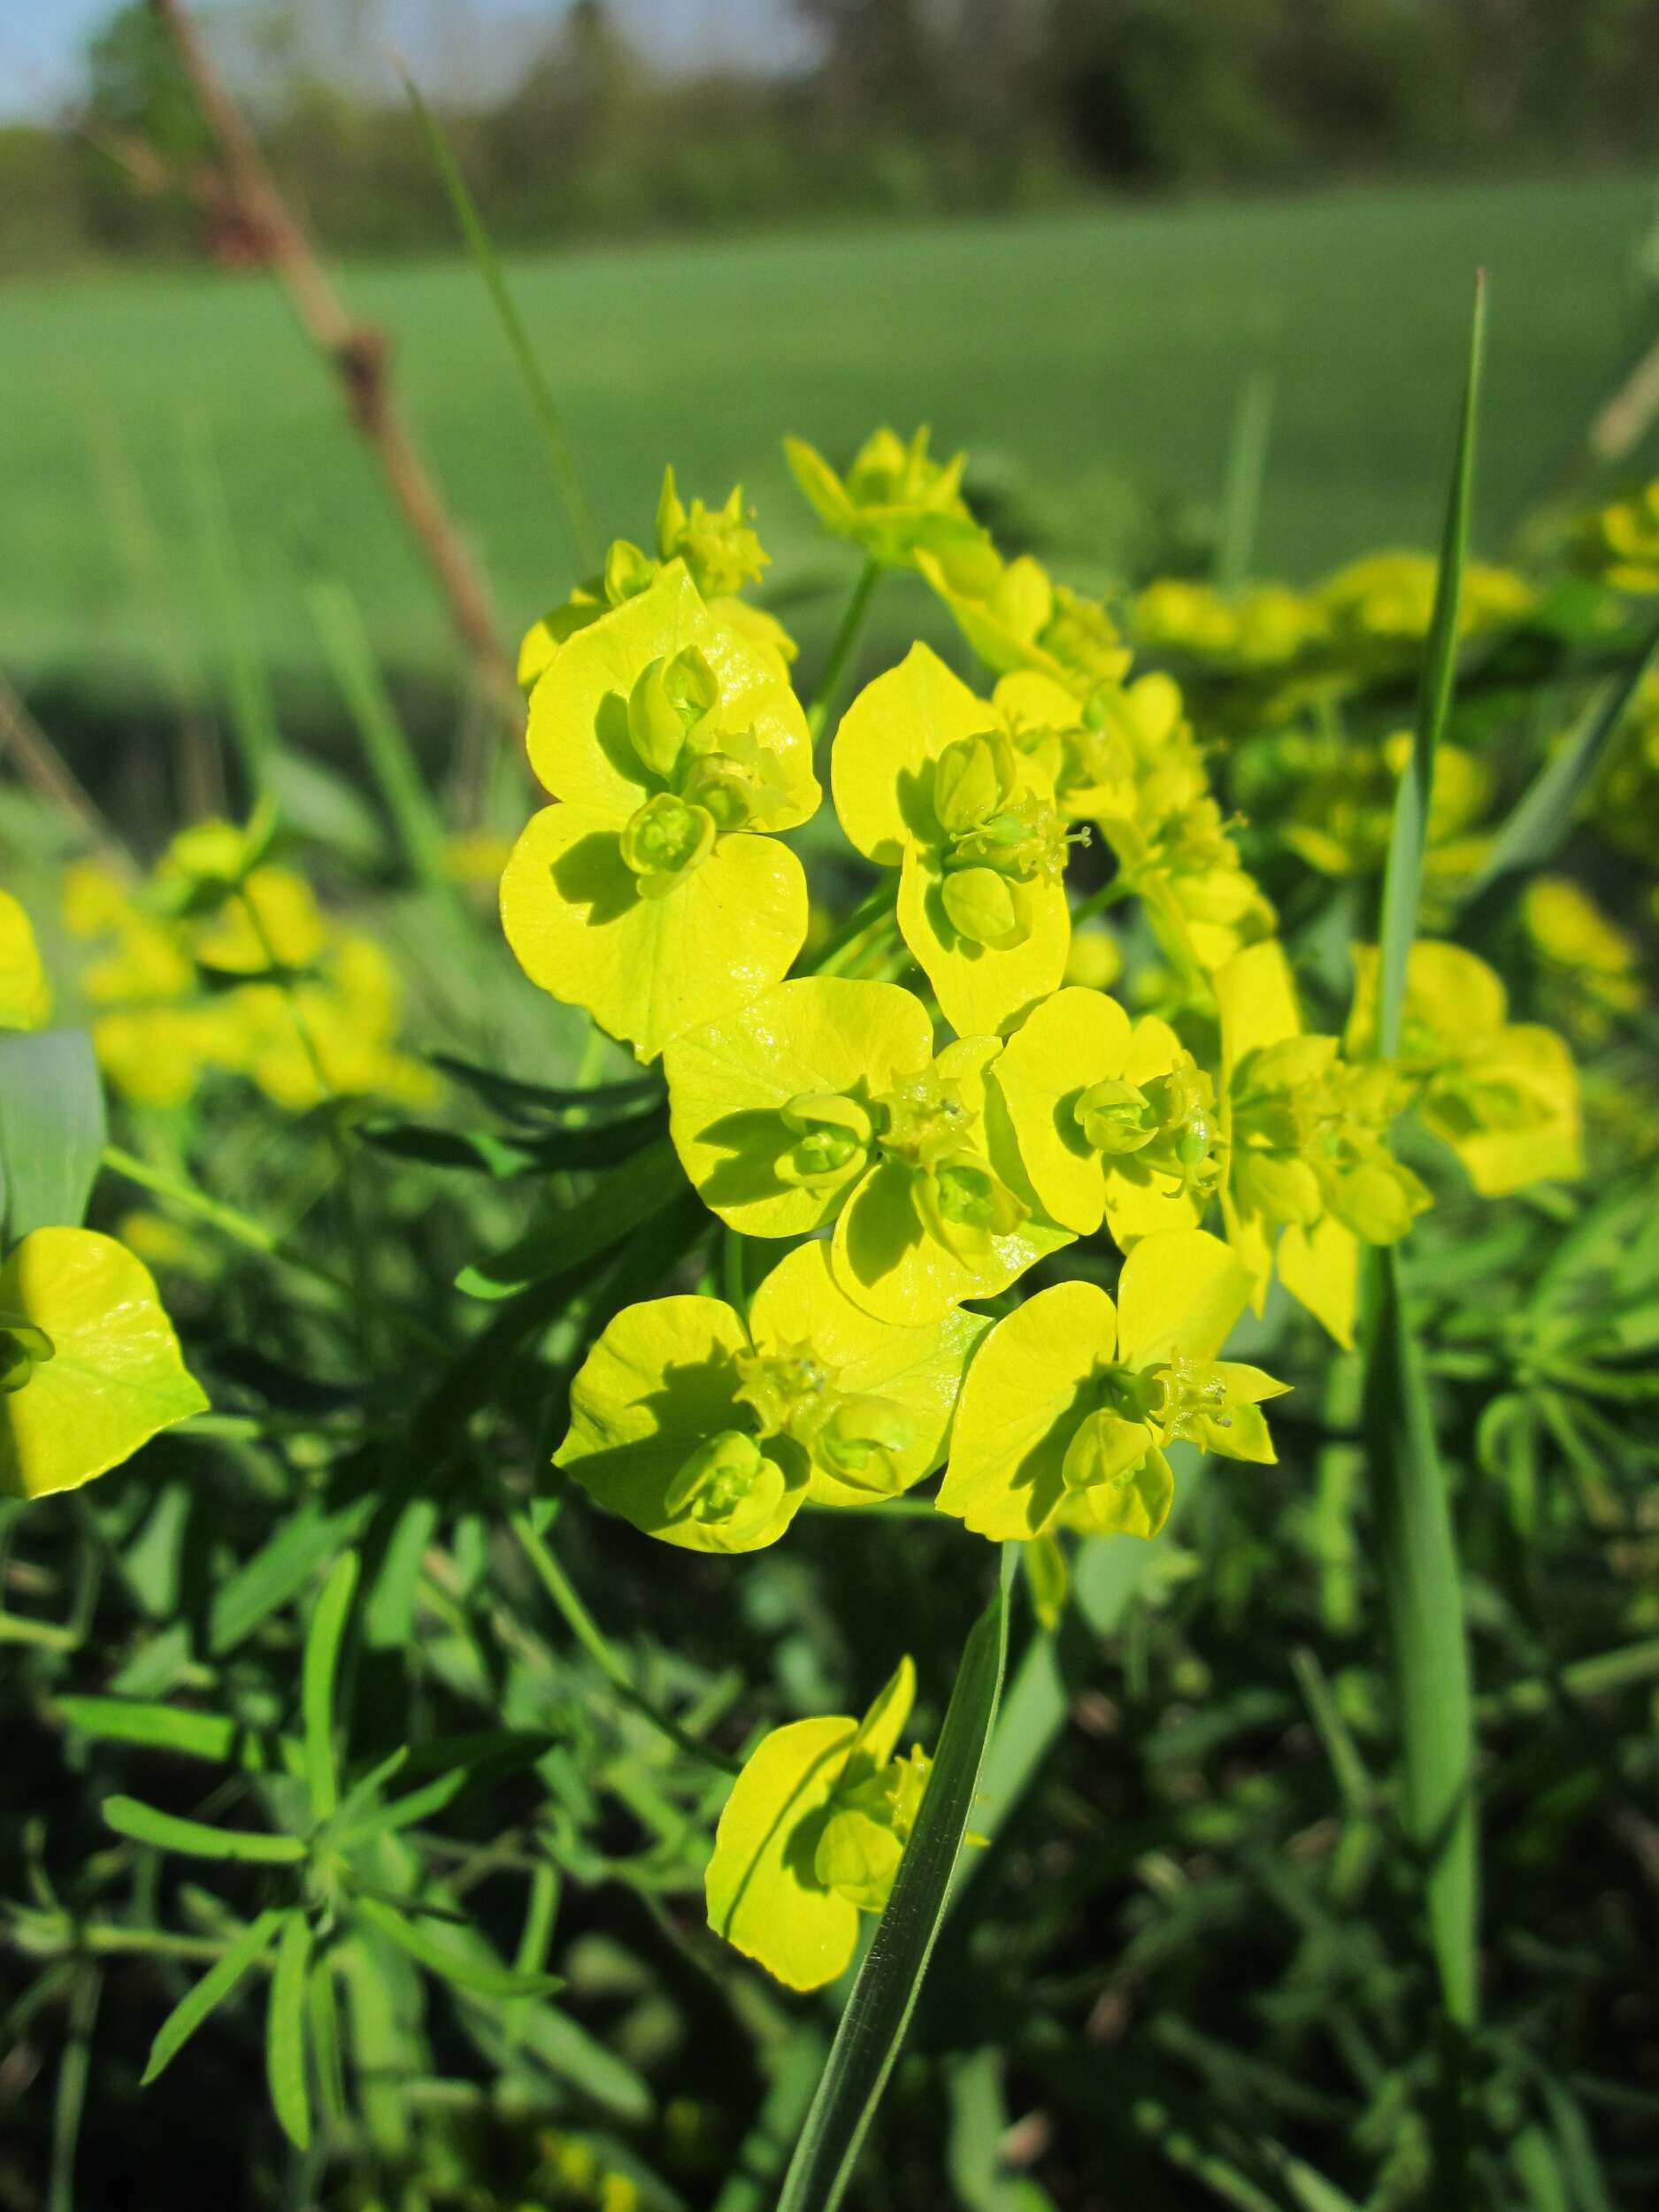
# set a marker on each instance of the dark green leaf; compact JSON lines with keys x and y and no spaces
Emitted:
{"x":515,"y":1100}
{"x":578,"y":1234}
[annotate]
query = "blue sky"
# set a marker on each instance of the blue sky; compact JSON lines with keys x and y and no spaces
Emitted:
{"x":41,"y":41}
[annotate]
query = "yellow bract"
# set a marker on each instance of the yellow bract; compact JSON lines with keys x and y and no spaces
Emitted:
{"x":646,"y":895}
{"x":894,"y":501}
{"x":1113,"y":1121}
{"x":89,"y":1366}
{"x":825,"y":1102}
{"x":1309,"y":1173}
{"x":712,"y":1435}
{"x":812,"y":1835}
{"x":1504,"y":1095}
{"x":720,"y":552}
{"x":1016,"y":617}
{"x":926,"y":780}
{"x":25,"y":998}
{"x":1072,"y":1403}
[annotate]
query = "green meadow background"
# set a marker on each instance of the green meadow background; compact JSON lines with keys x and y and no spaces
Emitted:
{"x":1091,"y":361}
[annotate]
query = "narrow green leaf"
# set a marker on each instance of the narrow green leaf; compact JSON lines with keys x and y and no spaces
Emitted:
{"x":1416,"y":1561}
{"x":320,"y":1670}
{"x":208,"y":1994}
{"x":1245,"y":474}
{"x":144,"y":1824}
{"x":285,"y":2032}
{"x":323,"y":2017}
{"x":1402,"y":878}
{"x":385,"y":748}
{"x":516,"y":1100}
{"x":51,"y":1130}
{"x":578,"y":1234}
{"x":442,"y":1958}
{"x":578,"y":518}
{"x":879,"y":2011}
{"x":163,"y":1728}
{"x":601,"y":1144}
{"x":1544,"y":813}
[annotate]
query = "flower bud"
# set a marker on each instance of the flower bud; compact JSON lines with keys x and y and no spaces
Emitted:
{"x":859,"y":1441}
{"x":973,"y":777}
{"x":667,"y":702}
{"x":1116,"y":1117}
{"x":627,"y":572}
{"x":22,"y":1348}
{"x":981,"y":907}
{"x":965,"y":1206}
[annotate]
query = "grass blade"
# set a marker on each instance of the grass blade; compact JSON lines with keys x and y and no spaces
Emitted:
{"x":884,"y":1997}
{"x":208,"y":1994}
{"x":196,"y":1839}
{"x":285,"y":2032}
{"x":1402,"y":878}
{"x":345,"y":638}
{"x":1543,"y":814}
{"x":317,"y":1689}
{"x":1416,"y":1559}
{"x":1246,"y":472}
{"x":578,"y":518}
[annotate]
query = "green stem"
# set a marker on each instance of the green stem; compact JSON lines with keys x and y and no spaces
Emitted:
{"x":1097,"y":902}
{"x":841,"y":648}
{"x":874,"y":907}
{"x":594,"y":1641}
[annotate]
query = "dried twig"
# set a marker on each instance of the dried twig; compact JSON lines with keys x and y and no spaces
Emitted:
{"x":48,"y":775}
{"x":358,"y":354}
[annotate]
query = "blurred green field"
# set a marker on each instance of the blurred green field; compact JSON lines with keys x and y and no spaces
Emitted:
{"x":1103,"y":343}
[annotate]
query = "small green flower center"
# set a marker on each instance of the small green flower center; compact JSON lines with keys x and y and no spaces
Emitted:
{"x":831,"y":1139}
{"x":860,"y":1439}
{"x":664,"y":839}
{"x":855,"y":1436}
{"x":23,"y":1348}
{"x":783,"y":1389}
{"x":1168,"y":1122}
{"x":993,"y":841}
{"x":728,"y":1482}
{"x":923,"y":1120}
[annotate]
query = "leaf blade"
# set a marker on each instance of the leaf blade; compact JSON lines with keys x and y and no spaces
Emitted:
{"x":206,"y":1996}
{"x":193,"y":1839}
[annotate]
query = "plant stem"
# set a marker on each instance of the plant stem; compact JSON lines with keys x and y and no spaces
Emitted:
{"x":1097,"y":902}
{"x":876,"y":907}
{"x":841,"y":648}
{"x":594,"y":1641}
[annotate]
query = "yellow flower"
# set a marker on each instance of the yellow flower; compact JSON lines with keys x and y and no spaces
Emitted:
{"x":711,"y":1434}
{"x":1504,"y":1095}
{"x":1016,"y":617}
{"x":1114,"y":1121}
{"x":1622,"y":541}
{"x":1071,"y":1404}
{"x":1386,"y":600}
{"x":1591,"y":967}
{"x":89,"y":1366}
{"x":647,"y":895}
{"x":926,"y":780}
{"x":1309,"y":1174}
{"x":812,"y":1835}
{"x":1343,"y":814}
{"x":1265,"y":626}
{"x":720,"y":552}
{"x":825,"y":1102}
{"x":893,"y":501}
{"x":26,"y":999}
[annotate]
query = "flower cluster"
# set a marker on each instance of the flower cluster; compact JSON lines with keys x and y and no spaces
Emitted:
{"x":221,"y":961}
{"x":934,"y":1102}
